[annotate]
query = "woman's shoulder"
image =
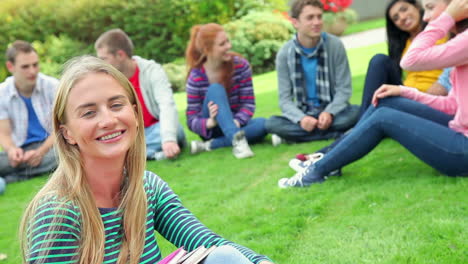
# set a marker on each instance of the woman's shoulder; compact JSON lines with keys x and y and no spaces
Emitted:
{"x":56,"y":211}
{"x":53,"y":203}
{"x":240,"y":61}
{"x":152,"y":182}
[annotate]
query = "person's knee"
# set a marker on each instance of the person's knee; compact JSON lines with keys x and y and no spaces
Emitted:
{"x":215,"y":90}
{"x":259,"y":121}
{"x":378,"y":60}
{"x":272,"y":123}
{"x":226,"y":254}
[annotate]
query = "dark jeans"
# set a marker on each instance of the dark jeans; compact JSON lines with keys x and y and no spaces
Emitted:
{"x":419,"y":128}
{"x":223,"y":133}
{"x":48,"y":163}
{"x":293,"y":132}
{"x":381,"y":70}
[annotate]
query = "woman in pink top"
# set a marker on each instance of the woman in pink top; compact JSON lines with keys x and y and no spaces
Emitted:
{"x":433,"y":128}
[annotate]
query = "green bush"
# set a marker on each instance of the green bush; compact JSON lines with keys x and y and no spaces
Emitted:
{"x":177,"y":73}
{"x":258,"y":36}
{"x":158,"y":28}
{"x":55,"y":51}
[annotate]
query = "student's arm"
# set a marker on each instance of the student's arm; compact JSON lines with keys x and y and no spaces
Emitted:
{"x":424,"y":55}
{"x":179,"y":226}
{"x":437,"y":89}
{"x":343,"y":87}
{"x":15,"y":154}
{"x":447,"y":104}
{"x":195,"y":120}
{"x":168,"y":116}
{"x":246,"y":93}
{"x":288,"y":107}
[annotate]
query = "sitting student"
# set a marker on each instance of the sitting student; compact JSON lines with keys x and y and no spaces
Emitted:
{"x":442,"y":87}
{"x":164,"y":135}
{"x":385,"y":69}
{"x":314,"y":81}
{"x":404,"y":20}
{"x":25,"y":123}
{"x":100,"y":205}
{"x":220,"y":95}
{"x":434,"y":128}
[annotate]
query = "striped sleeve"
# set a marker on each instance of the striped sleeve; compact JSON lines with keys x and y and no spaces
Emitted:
{"x":179,"y":226}
{"x":196,"y":90}
{"x":243,"y":85}
{"x":53,"y":234}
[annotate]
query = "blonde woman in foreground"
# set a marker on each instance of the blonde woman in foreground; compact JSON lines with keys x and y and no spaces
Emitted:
{"x":100,"y":205}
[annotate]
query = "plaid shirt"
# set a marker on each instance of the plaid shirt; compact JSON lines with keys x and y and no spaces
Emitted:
{"x":13,"y":108}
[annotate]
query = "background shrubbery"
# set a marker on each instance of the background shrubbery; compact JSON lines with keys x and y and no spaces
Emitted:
{"x":61,"y":29}
{"x":258,"y":36}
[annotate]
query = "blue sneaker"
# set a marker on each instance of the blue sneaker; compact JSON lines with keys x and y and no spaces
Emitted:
{"x":303,"y":178}
{"x":299,"y":165}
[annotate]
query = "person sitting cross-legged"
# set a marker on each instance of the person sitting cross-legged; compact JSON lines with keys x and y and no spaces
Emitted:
{"x":220,"y":95}
{"x":314,"y":81}
{"x":25,"y":116}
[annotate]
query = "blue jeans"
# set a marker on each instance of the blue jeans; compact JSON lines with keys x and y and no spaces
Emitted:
{"x":226,"y":254}
{"x":2,"y":185}
{"x":223,"y":133}
{"x":381,"y":70}
{"x":293,"y":132}
{"x":419,"y":128}
{"x":153,"y":139}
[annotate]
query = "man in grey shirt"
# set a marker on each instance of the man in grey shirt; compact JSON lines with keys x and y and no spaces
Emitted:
{"x":314,"y":81}
{"x":163,"y":133}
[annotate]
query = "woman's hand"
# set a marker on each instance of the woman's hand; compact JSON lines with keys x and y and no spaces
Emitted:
{"x":385,"y":90}
{"x":213,"y":109}
{"x":458,"y":9}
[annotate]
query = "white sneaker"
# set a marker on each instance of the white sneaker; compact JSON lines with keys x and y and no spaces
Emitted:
{"x":299,"y":165}
{"x":240,"y":147}
{"x":197,"y":146}
{"x":303,"y":178}
{"x":276,"y":140}
{"x":159,"y":156}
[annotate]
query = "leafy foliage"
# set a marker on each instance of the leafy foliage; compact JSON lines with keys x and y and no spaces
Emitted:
{"x":258,"y":36}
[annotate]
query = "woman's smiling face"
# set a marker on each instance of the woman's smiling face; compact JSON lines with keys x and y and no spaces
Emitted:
{"x":405,"y":16}
{"x":101,"y":121}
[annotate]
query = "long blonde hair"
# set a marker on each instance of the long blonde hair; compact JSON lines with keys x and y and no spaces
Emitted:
{"x":68,"y":183}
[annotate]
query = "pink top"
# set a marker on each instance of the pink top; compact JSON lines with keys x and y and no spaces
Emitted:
{"x":423,"y":55}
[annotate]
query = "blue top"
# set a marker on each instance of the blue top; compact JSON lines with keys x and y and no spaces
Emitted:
{"x":444,"y":79}
{"x":36,"y":133}
{"x":309,"y":66}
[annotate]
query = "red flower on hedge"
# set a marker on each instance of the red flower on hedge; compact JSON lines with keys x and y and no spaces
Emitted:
{"x":336,"y":5}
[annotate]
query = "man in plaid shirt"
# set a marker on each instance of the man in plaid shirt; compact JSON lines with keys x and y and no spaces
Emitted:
{"x":25,"y":116}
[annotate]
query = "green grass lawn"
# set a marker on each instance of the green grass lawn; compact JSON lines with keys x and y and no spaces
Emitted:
{"x":388,"y":207}
{"x":365,"y":25}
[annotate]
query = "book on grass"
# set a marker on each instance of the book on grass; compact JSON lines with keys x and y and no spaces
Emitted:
{"x":174,"y":257}
{"x":181,"y":256}
{"x":197,"y":255}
